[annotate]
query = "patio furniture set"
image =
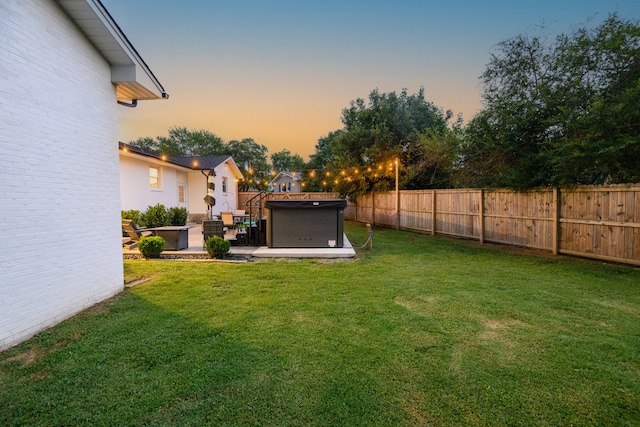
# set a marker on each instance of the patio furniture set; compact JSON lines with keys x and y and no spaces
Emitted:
{"x":175,"y":237}
{"x":237,"y":227}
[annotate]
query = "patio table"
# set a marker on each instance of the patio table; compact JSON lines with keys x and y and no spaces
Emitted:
{"x":175,"y":237}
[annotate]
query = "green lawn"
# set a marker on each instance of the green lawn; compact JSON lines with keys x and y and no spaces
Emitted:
{"x":419,"y":331}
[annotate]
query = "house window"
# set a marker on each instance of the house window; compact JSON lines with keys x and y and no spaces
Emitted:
{"x":181,"y":194}
{"x":224,"y":184}
{"x":285,"y":187}
{"x":154,"y":177}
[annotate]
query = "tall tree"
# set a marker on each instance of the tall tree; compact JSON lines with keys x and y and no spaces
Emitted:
{"x":389,"y":126}
{"x":566,"y":112}
{"x":285,"y":161}
{"x":323,"y":160}
{"x":196,"y":142}
{"x":251,"y":158}
{"x":183,"y":142}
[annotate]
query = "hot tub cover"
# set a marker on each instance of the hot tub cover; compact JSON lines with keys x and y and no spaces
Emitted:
{"x":306,"y":204}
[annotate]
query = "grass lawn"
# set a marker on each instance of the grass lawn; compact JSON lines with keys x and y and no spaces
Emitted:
{"x":420,"y":331}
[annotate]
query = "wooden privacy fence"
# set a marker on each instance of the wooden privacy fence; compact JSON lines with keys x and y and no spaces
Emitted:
{"x":600,"y":222}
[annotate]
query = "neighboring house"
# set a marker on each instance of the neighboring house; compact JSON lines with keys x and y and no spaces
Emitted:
{"x":64,"y":67}
{"x":286,"y":182}
{"x":147,"y":179}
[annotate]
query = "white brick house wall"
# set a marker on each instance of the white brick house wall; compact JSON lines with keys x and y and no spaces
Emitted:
{"x":59,"y":188}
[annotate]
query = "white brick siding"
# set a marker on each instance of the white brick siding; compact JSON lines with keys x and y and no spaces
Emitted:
{"x":60,"y":248}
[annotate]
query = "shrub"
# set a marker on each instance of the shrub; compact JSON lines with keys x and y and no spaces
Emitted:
{"x":132,"y":214}
{"x":151,"y":246}
{"x":177,"y":216}
{"x":217,"y":247}
{"x":155,"y":216}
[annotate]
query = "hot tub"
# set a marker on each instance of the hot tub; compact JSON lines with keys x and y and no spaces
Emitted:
{"x":307,"y":223}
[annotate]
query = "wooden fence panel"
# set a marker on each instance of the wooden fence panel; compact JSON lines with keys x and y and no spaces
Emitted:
{"x":601,"y":222}
{"x":363,"y":209}
{"x":523,"y":218}
{"x":385,"y":208}
{"x":458,"y":213}
{"x":415,"y":210}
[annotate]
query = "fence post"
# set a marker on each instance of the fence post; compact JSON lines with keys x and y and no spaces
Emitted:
{"x":373,"y":207}
{"x":397,"y":198}
{"x":369,"y":244}
{"x":433,"y":213}
{"x":355,"y":208}
{"x":397,"y":210}
{"x":556,"y":221}
{"x":481,"y":219}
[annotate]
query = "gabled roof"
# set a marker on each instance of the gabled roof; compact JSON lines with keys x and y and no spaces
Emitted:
{"x":131,"y":75}
{"x":292,"y":175}
{"x":189,"y":162}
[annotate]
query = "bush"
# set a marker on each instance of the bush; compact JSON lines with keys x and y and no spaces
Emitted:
{"x":177,"y":216}
{"x":151,"y":246}
{"x":132,"y":214}
{"x":217,"y":247}
{"x":155,"y":216}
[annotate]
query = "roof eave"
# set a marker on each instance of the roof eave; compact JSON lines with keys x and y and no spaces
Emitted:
{"x":131,"y":75}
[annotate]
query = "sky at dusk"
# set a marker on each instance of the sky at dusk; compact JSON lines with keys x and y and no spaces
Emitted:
{"x":282,"y":71}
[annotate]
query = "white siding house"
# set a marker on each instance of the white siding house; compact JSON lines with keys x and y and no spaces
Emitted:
{"x":147,"y":179}
{"x":63,"y":66}
{"x":286,"y":182}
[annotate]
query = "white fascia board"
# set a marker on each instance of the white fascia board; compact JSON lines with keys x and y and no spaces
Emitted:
{"x":127,"y":66}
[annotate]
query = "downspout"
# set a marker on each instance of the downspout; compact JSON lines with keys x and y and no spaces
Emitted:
{"x":133,"y":104}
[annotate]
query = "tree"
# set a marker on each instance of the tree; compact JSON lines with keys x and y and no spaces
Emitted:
{"x":560,"y":113}
{"x":432,"y":161}
{"x":196,"y":142}
{"x":323,"y":160}
{"x":183,"y":142}
{"x":387,"y":127}
{"x":285,"y":161}
{"x":251,"y":158}
{"x":146,"y":143}
{"x":600,"y":139}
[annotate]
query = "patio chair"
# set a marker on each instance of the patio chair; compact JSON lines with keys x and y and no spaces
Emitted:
{"x":134,"y":232}
{"x":210,"y":228}
{"x":238,"y":217}
{"x":227,"y":219}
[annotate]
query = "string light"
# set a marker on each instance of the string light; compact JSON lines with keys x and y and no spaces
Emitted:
{"x":375,"y":171}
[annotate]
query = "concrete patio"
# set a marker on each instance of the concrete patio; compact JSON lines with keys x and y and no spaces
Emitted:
{"x":196,"y":249}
